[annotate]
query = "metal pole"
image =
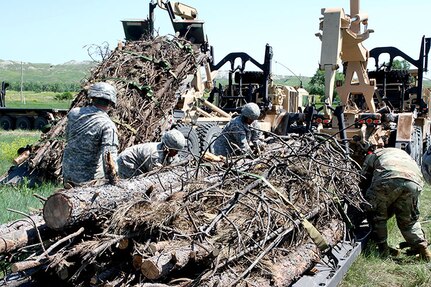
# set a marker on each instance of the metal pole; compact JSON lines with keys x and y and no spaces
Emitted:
{"x":22,"y":79}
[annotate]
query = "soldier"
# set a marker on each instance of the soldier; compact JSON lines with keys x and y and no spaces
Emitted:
{"x":396,"y":183}
{"x":142,"y":158}
{"x":237,"y":137}
{"x":90,"y":135}
{"x":426,"y":165}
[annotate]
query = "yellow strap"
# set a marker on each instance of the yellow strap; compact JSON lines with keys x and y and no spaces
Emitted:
{"x":315,"y":235}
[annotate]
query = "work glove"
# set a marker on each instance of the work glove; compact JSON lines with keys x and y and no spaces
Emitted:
{"x":258,"y":148}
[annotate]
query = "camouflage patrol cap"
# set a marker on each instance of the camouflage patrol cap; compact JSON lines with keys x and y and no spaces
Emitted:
{"x":103,"y":91}
{"x":251,"y":111}
{"x":426,"y":166}
{"x":174,"y":139}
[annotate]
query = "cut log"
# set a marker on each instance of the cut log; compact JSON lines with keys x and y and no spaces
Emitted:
{"x":173,"y":258}
{"x":24,"y":265}
{"x":137,"y":261}
{"x":73,"y":206}
{"x":290,"y":266}
{"x":25,"y":223}
{"x":157,"y":266}
{"x":23,"y":233}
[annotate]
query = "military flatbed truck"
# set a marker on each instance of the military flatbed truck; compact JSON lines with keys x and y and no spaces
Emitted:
{"x":25,"y":118}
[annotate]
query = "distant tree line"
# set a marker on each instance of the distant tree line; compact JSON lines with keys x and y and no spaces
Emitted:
{"x":39,"y":87}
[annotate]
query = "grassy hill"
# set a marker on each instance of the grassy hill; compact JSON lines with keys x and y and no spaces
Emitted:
{"x":76,"y":72}
{"x":70,"y":72}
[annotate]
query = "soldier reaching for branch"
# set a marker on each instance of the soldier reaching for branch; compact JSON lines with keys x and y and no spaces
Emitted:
{"x":142,"y":158}
{"x":90,"y":135}
{"x":237,"y":137}
{"x":396,"y":183}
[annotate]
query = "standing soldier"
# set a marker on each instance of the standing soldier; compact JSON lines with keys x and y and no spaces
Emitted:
{"x":90,"y":135}
{"x":237,"y":137}
{"x":142,"y":158}
{"x":396,"y":183}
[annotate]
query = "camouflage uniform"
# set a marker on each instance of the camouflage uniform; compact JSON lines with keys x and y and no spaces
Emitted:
{"x":141,"y":158}
{"x":395,"y":189}
{"x":90,"y":133}
{"x":236,"y":137}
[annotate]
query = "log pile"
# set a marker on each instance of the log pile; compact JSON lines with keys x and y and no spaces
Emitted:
{"x":237,"y":223}
{"x":148,"y":75}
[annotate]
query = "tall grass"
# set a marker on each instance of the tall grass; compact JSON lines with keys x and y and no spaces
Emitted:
{"x":403,"y":271}
{"x":18,"y":198}
{"x":10,"y":142}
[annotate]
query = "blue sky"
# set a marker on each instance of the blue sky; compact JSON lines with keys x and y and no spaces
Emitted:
{"x":57,"y":31}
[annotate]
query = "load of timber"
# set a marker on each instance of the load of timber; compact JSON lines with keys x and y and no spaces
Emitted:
{"x":148,"y":75}
{"x":244,"y":222}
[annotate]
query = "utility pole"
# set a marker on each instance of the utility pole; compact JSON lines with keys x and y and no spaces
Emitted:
{"x":22,"y":80}
{"x":300,"y":80}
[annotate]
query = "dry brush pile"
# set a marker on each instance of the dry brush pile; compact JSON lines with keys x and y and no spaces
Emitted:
{"x":238,"y":223}
{"x":148,"y":75}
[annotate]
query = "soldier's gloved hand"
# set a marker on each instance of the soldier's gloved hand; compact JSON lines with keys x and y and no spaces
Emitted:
{"x":256,"y":150}
{"x":258,"y":147}
{"x":158,"y":165}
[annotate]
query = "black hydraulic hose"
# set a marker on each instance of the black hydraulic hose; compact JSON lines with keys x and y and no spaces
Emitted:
{"x":339,"y":113}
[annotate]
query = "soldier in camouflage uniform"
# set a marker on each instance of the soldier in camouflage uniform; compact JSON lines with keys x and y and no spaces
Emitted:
{"x":396,"y":183}
{"x":426,"y":165}
{"x":90,"y":135}
{"x":142,"y":158}
{"x":237,"y":136}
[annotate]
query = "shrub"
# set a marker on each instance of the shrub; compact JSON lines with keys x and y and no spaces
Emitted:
{"x":66,"y":96}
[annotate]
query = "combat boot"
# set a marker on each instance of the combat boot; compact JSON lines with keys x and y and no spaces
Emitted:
{"x":385,"y":250}
{"x":424,"y":253}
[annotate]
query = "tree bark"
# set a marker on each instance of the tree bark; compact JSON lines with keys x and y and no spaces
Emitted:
{"x":73,"y":206}
{"x":169,"y":257}
{"x":22,"y":233}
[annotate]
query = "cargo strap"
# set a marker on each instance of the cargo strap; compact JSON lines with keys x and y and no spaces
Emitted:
{"x":312,"y":231}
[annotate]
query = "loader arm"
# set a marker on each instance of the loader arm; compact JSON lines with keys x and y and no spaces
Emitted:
{"x":342,"y":39}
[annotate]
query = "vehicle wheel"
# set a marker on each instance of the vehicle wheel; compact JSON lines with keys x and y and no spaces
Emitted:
{"x":419,"y":145}
{"x":415,"y":147}
{"x":193,"y":145}
{"x":426,"y":143}
{"x":6,"y":123}
{"x":207,"y":135}
{"x":23,"y":123}
{"x":39,"y":123}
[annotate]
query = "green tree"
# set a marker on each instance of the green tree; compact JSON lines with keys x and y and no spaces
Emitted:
{"x":400,"y":65}
{"x":316,"y":86}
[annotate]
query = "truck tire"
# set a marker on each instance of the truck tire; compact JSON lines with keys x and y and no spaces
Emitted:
{"x":193,"y":146}
{"x":207,"y":133}
{"x":419,"y":145}
{"x":6,"y":123}
{"x":414,"y":148}
{"x":23,"y":123}
{"x":426,"y":143}
{"x":39,"y":123}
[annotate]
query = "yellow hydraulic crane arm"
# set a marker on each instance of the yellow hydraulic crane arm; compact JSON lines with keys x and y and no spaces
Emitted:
{"x":182,"y":10}
{"x":342,"y":39}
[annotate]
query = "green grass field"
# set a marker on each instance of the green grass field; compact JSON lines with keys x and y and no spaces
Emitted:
{"x":10,"y":142}
{"x":17,"y":198}
{"x":403,"y":271}
{"x":35,"y":100}
{"x":368,"y":271}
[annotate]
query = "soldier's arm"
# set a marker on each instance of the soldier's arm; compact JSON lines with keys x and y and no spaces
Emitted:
{"x":256,"y":133}
{"x":368,"y":165}
{"x":241,"y":140}
{"x":367,"y":172}
{"x":154,"y":161}
{"x":109,"y":144}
